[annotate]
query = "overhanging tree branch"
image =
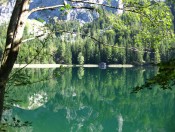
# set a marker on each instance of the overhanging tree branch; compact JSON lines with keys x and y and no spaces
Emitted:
{"x":144,"y":50}
{"x":45,"y":8}
{"x":29,"y":39}
{"x":94,"y":3}
{"x":135,"y":6}
{"x":85,"y":7}
{"x":59,"y":6}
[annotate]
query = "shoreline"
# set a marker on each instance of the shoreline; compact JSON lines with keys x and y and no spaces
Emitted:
{"x":64,"y":65}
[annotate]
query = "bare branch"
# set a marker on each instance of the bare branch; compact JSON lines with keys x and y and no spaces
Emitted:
{"x":94,"y":3}
{"x":26,"y":40}
{"x":126,"y":8}
{"x":35,"y":56}
{"x":115,"y":7}
{"x":46,"y":8}
{"x":58,"y":6}
{"x":143,"y":50}
{"x":76,"y":7}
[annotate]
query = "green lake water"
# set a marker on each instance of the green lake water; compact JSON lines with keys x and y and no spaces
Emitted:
{"x":92,"y":100}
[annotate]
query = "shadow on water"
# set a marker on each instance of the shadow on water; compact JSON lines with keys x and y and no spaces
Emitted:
{"x":165,"y":78}
{"x":92,"y":99}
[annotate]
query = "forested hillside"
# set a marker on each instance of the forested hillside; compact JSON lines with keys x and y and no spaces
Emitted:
{"x":115,"y":39}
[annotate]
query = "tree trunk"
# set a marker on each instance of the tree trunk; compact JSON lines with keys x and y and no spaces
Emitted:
{"x":2,"y":92}
{"x":13,"y":40}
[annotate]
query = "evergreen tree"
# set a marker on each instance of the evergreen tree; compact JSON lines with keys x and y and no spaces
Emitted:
{"x":80,"y":58}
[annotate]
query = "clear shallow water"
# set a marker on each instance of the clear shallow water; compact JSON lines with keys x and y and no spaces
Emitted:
{"x":93,"y":100}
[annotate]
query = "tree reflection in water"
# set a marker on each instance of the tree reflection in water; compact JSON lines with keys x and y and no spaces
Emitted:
{"x":95,"y":100}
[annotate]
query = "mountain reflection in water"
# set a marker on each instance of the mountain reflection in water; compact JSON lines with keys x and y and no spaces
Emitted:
{"x":94,"y":100}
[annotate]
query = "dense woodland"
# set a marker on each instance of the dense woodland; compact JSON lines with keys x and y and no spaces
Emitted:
{"x":115,"y":39}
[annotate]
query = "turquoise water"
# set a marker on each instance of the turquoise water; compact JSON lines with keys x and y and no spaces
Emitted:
{"x":92,"y":100}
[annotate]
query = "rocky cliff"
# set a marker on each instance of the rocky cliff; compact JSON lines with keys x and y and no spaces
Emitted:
{"x":80,"y":15}
{"x":6,"y":9}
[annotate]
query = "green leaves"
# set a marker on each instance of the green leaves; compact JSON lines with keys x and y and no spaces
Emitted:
{"x":62,"y":9}
{"x":66,"y":7}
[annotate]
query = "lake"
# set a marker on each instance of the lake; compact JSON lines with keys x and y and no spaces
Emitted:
{"x":90,"y":100}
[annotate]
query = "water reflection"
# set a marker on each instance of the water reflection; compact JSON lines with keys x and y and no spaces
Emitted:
{"x":94,"y":100}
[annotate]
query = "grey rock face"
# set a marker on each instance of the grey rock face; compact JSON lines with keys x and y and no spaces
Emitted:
{"x":46,"y":14}
{"x":80,"y":15}
{"x":6,"y":11}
